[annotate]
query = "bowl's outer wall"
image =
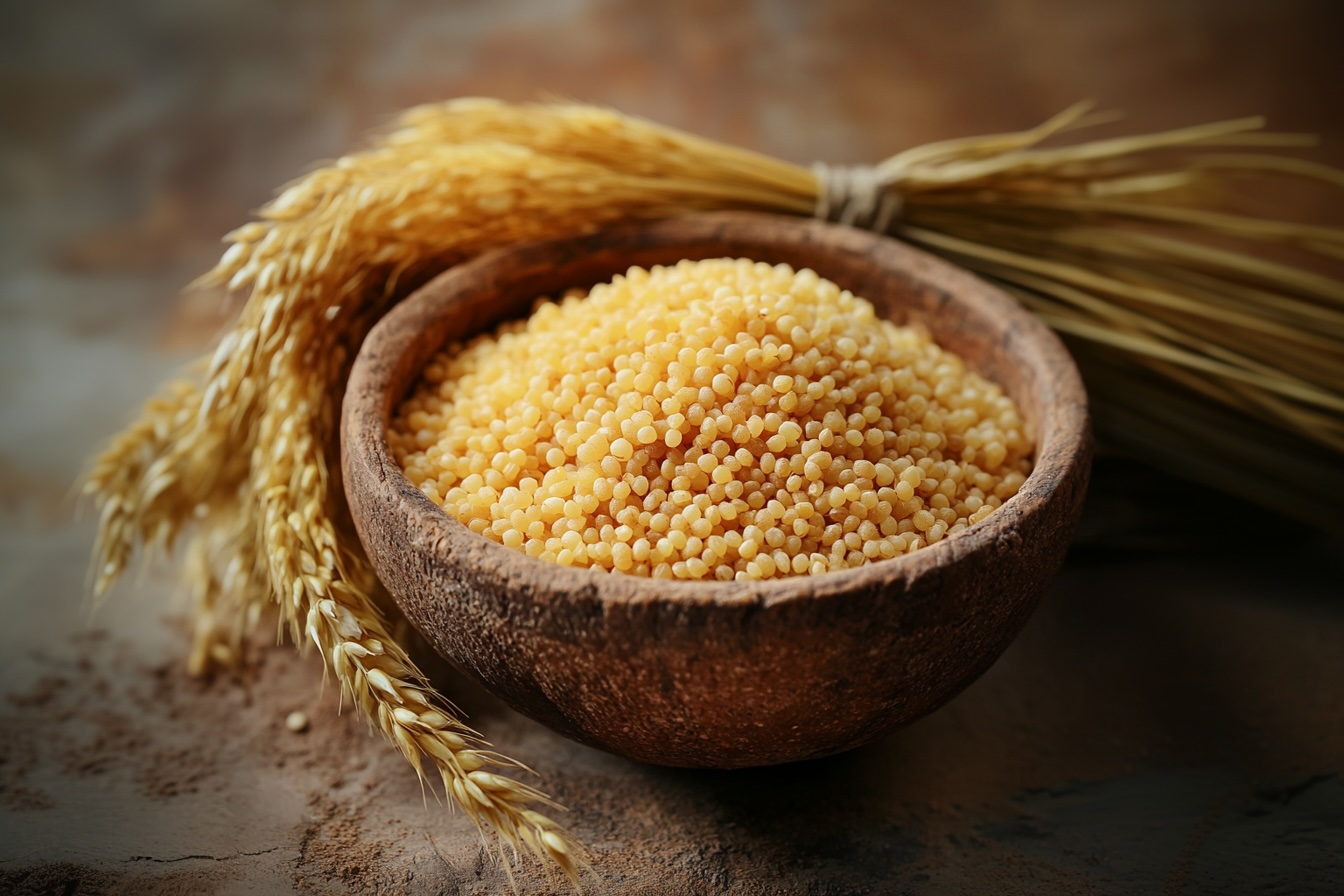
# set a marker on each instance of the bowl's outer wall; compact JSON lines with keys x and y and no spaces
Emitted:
{"x":721,"y":674}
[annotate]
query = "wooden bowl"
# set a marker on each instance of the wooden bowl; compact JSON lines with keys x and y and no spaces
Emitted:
{"x":721,"y":674}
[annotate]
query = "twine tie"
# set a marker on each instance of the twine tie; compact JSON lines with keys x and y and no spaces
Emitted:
{"x":856,"y":195}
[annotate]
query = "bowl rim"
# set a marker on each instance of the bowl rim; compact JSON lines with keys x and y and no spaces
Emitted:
{"x":1063,"y":412}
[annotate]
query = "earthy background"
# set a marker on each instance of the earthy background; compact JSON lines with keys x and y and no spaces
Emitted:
{"x":1172,"y":720}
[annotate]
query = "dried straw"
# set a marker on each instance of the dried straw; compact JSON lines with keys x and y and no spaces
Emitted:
{"x":1213,"y":362}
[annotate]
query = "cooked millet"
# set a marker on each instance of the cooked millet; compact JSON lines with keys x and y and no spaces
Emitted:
{"x":717,"y":419}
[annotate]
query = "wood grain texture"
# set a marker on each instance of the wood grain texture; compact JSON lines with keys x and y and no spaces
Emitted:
{"x":721,"y":674}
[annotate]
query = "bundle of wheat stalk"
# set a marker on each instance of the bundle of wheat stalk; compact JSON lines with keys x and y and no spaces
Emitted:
{"x":1199,"y":357}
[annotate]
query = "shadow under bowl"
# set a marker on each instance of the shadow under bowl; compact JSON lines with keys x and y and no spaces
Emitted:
{"x":721,"y":674}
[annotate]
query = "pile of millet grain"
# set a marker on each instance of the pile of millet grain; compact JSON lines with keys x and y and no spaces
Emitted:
{"x":721,"y":419}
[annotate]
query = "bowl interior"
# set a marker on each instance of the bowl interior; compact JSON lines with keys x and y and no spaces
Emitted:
{"x":990,"y":331}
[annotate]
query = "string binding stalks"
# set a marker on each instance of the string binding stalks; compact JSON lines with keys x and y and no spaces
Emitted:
{"x":1201,"y":356}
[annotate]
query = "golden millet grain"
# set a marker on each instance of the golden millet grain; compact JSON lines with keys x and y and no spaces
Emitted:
{"x":721,"y":419}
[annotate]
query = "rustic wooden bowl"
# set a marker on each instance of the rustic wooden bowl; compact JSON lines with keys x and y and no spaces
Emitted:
{"x":721,"y":674}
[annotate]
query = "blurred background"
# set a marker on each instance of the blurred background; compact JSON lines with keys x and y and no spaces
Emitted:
{"x":1167,"y":723}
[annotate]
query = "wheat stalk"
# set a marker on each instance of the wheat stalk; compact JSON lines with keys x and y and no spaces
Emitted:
{"x":1097,"y":237}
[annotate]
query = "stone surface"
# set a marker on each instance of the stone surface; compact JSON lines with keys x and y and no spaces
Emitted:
{"x":1171,"y":719}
